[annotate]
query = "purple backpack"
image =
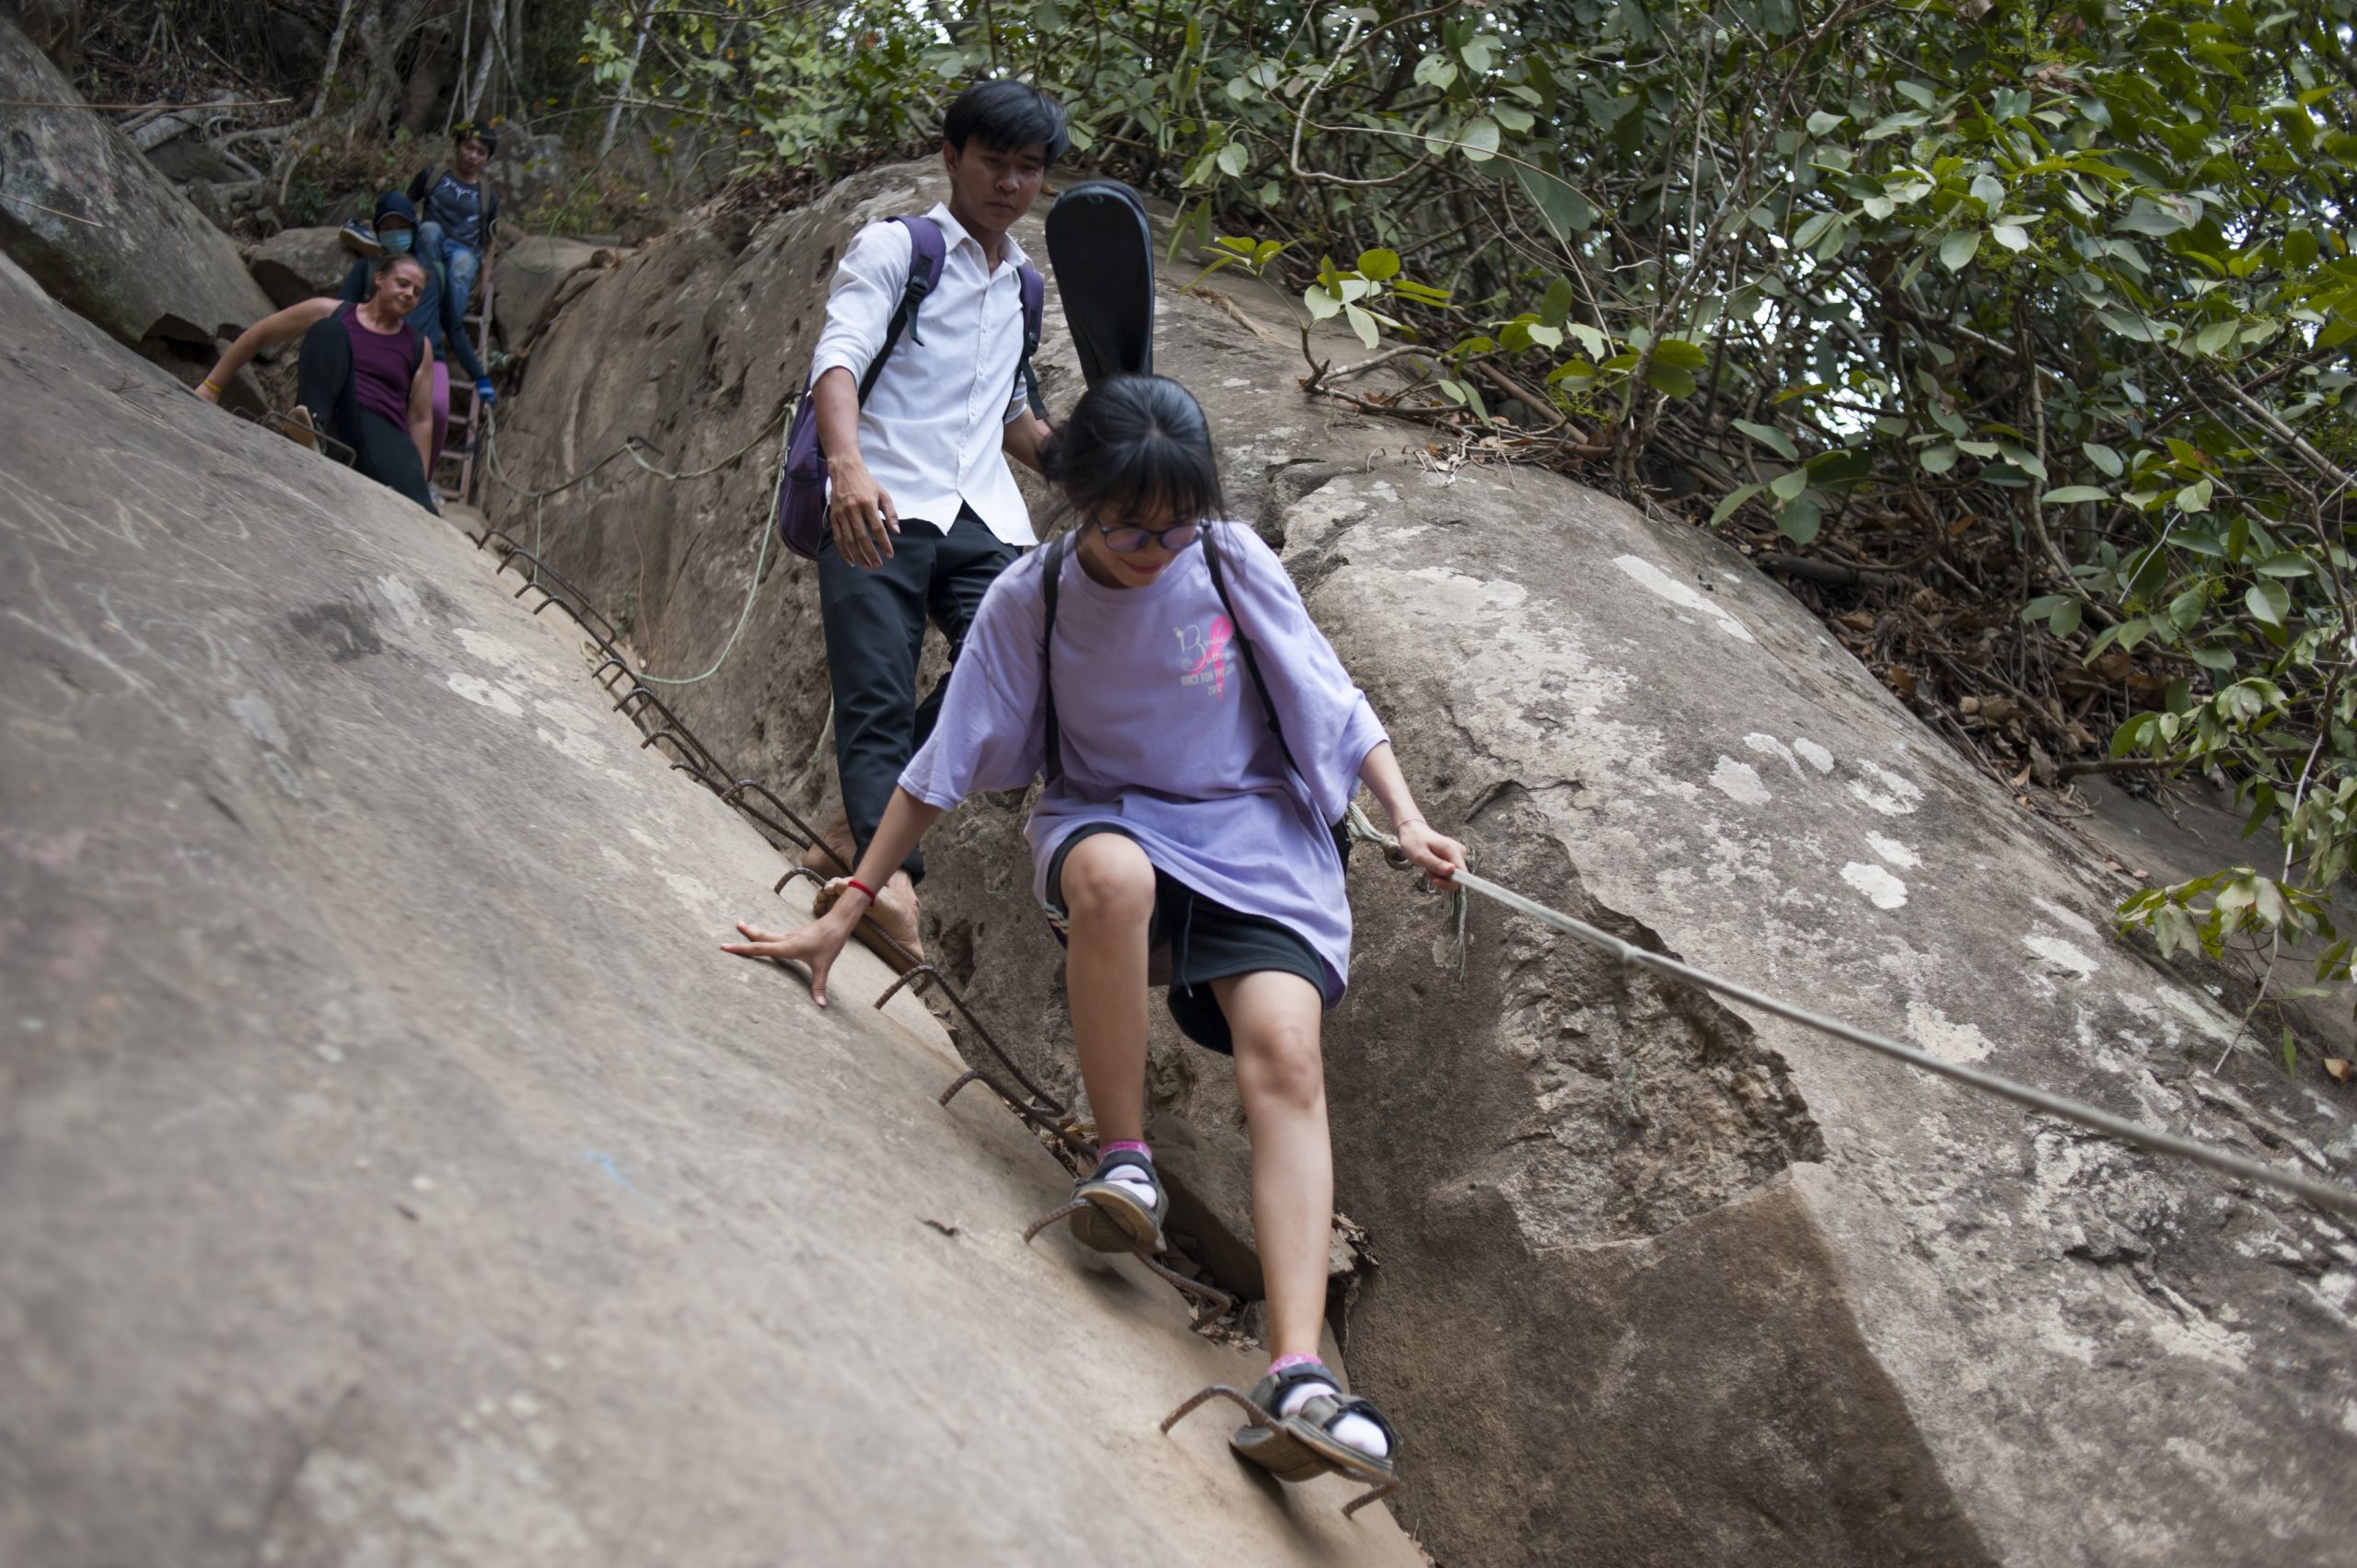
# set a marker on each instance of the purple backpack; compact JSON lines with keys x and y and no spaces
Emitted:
{"x":802,"y":487}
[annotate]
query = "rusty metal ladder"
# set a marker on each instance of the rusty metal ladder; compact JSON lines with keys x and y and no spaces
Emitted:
{"x":458,"y":458}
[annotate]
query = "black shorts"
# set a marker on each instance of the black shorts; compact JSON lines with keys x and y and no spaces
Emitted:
{"x":1207,"y":941}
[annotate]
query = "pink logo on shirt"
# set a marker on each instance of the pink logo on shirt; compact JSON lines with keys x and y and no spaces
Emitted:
{"x":1209,"y":651}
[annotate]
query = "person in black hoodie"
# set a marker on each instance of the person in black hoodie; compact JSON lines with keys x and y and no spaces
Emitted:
{"x":439,"y":316}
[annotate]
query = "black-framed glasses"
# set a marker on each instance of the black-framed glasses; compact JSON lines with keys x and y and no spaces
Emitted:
{"x":1129,"y":541}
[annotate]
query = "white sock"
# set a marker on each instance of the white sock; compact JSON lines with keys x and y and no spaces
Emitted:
{"x":1137,"y":1183}
{"x":1353,"y":1431}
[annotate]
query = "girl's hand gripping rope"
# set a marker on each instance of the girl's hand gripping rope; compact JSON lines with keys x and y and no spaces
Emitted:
{"x":1437,"y":855}
{"x":817,"y":945}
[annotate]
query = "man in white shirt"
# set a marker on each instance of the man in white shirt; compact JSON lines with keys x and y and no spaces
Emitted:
{"x":924,"y":512}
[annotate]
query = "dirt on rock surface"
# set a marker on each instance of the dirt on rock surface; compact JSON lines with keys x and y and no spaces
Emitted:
{"x":392,"y":1170}
{"x":1658,"y":1283}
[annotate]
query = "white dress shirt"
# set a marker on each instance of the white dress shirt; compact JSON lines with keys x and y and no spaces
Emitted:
{"x":930,"y":431}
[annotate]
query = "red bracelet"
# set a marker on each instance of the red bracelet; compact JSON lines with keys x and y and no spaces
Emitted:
{"x":864,"y":889}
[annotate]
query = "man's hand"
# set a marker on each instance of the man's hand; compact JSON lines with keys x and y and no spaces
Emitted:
{"x":860,"y":512}
{"x":817,"y":945}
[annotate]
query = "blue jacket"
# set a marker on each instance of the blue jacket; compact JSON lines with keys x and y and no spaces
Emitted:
{"x":437,"y":316}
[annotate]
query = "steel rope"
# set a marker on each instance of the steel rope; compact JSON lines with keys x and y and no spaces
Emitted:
{"x":2329,"y":1196}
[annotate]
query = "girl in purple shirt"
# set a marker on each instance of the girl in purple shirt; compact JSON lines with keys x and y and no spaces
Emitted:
{"x":1179,"y":834}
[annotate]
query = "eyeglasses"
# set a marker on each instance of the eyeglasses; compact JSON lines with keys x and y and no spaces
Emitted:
{"x":1129,"y":541}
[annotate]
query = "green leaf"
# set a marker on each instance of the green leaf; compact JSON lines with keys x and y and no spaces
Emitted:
{"x":1362,"y":324}
{"x":1938,"y":459}
{"x":1321,"y":304}
{"x":2065,"y":619}
{"x":2012,"y":236}
{"x":1822,"y":121}
{"x":1734,"y":502}
{"x":1380,"y":265}
{"x":1478,"y":140}
{"x":1770,"y":437}
{"x":1671,"y":380}
{"x":2103,"y":458}
{"x":2216,"y":338}
{"x":2069,"y":494}
{"x":1513,"y":117}
{"x":2288,"y":565}
{"x":2195,"y":497}
{"x":1798,"y":519}
{"x":1436,"y":71}
{"x":1233,"y":158}
{"x":2023,"y":459}
{"x":1789,"y":483}
{"x":1960,"y":248}
{"x":2268,"y":602}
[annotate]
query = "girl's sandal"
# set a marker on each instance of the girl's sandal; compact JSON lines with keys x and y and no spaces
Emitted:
{"x":1302,"y":1446}
{"x":1107,"y":1215}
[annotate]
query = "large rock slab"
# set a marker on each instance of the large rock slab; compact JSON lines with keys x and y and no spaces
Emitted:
{"x":533,"y":270}
{"x":295,"y":265}
{"x":1659,"y":1284}
{"x":395,"y":1171}
{"x":94,"y":223}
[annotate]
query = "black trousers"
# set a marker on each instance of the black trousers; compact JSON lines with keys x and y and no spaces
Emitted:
{"x":875,"y":621}
{"x":325,"y":385}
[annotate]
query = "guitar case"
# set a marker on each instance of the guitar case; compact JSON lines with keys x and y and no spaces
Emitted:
{"x":1102,"y":252}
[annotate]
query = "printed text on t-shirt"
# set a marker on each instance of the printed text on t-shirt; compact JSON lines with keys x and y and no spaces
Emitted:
{"x":1207,"y":647}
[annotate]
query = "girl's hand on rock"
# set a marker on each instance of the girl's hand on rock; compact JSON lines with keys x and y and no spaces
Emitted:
{"x":815,"y":947}
{"x":1437,"y":855}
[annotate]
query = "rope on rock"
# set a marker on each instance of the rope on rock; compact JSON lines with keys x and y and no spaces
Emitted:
{"x":630,"y":449}
{"x":2326,"y":1195}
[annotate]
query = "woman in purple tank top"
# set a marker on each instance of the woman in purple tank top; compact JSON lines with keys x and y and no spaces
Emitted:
{"x":366,"y":376}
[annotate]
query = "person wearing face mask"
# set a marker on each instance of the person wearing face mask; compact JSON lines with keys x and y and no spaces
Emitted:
{"x":366,"y":376}
{"x":439,"y":315}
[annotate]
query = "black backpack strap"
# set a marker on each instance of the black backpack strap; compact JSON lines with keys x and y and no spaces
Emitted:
{"x":1243,"y":643}
{"x":1051,"y":566}
{"x":1034,"y":306}
{"x":925,"y":271}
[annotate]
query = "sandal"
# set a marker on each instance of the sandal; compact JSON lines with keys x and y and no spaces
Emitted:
{"x":1110,"y":1218}
{"x":1302,"y":1446}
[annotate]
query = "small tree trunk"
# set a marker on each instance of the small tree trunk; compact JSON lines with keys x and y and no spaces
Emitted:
{"x":629,"y":77}
{"x":491,"y":43}
{"x":335,"y":57}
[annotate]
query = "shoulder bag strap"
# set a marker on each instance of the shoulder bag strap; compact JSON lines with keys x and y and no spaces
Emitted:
{"x":1034,"y":306}
{"x":925,"y":271}
{"x":1243,"y":643}
{"x":1051,"y":566}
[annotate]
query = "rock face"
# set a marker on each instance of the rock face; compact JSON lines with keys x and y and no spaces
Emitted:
{"x":96,"y":226}
{"x":1659,"y":1284}
{"x":395,"y":1171}
{"x":535,"y":272}
{"x":295,"y":265}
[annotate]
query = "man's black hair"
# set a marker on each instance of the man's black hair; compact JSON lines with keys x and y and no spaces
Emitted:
{"x":484,"y":131}
{"x":1007,"y":116}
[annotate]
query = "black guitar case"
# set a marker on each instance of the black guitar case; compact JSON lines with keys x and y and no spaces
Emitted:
{"x":1103,"y":255}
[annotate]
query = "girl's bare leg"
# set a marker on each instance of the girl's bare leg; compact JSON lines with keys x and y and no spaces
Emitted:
{"x":1107,"y":886}
{"x":1281,"y":1074}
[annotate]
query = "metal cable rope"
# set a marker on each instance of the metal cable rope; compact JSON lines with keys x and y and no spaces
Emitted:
{"x":2326,"y":1195}
{"x":629,"y":448}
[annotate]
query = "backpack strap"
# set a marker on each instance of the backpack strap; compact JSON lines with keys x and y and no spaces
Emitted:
{"x":925,"y":252}
{"x":1243,"y":643}
{"x":1034,"y":306}
{"x":1051,"y":566}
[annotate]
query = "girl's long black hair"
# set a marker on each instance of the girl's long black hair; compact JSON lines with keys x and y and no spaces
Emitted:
{"x":1133,"y":441}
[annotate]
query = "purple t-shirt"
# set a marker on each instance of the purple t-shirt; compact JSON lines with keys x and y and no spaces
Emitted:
{"x":382,"y":365}
{"x":1164,"y":735}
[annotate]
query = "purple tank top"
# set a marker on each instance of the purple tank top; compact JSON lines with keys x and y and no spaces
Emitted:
{"x":382,"y":367}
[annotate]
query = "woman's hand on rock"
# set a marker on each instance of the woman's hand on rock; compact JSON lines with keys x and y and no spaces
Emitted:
{"x":1437,"y":855}
{"x":815,"y":945}
{"x":207,"y":391}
